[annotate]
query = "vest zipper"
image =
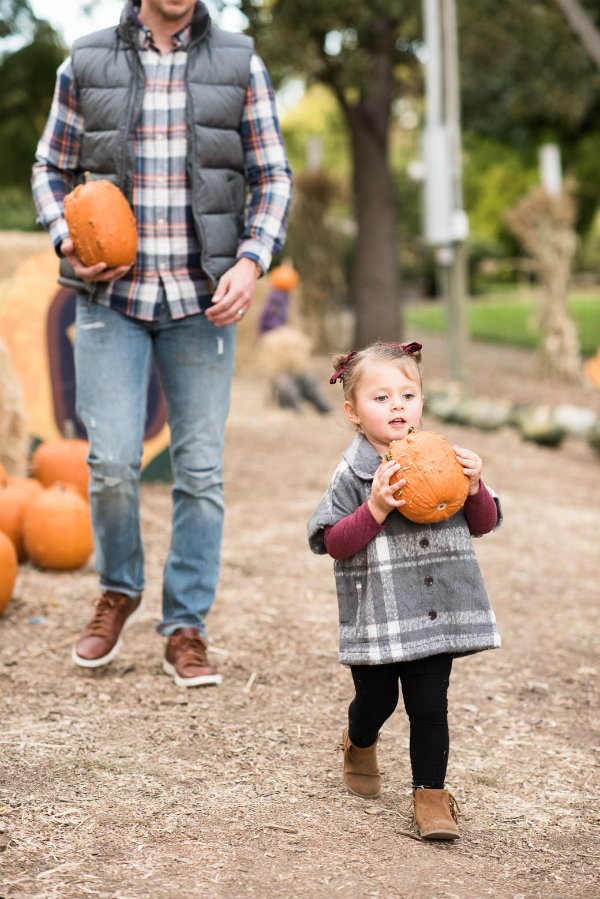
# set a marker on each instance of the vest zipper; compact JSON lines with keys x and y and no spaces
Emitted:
{"x":137,"y":66}
{"x":190,"y":164}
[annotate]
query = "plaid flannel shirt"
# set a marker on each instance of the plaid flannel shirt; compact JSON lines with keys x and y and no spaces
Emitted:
{"x":168,"y":254}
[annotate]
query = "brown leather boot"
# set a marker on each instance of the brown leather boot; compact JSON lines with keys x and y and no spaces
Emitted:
{"x":186,"y":659}
{"x":361,"y":772}
{"x":100,"y":640}
{"x":436,"y":814}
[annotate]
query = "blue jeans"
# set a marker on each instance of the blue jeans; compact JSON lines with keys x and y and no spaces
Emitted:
{"x":113,"y":356}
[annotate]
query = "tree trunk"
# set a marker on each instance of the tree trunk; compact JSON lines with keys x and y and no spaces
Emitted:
{"x":375,"y":277}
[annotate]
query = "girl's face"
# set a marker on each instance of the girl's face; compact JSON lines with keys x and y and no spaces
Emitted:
{"x":387,"y":403}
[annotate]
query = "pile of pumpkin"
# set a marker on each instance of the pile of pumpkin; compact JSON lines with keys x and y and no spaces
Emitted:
{"x":45,"y":518}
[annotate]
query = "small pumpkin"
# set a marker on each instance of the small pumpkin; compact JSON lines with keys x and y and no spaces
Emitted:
{"x":592,"y":369}
{"x":58,"y":530}
{"x":101,"y":224}
{"x":284,"y":277}
{"x":13,"y":505}
{"x":8,"y":571}
{"x":436,"y":486}
{"x":64,"y":461}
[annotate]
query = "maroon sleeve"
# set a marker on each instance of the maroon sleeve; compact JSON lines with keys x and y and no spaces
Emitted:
{"x":350,"y":534}
{"x":481,"y":511}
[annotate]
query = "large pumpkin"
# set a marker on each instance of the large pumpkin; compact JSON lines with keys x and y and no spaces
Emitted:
{"x":30,"y":486}
{"x":284,"y":277}
{"x":13,"y":505}
{"x":101,"y":224}
{"x":64,"y":461}
{"x":8,"y":571}
{"x":436,"y":486}
{"x":58,"y":530}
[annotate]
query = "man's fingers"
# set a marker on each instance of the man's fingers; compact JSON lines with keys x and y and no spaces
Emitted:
{"x":222,"y":288}
{"x":112,"y":274}
{"x":227,"y":318}
{"x":230,"y":302}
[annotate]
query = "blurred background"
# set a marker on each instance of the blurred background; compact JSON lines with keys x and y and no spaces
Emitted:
{"x":444,"y":155}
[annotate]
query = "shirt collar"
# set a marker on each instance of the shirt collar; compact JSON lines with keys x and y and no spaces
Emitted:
{"x":362,"y":457}
{"x":180,"y":39}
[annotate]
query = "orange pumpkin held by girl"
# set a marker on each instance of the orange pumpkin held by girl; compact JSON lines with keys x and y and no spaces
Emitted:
{"x":436,"y":486}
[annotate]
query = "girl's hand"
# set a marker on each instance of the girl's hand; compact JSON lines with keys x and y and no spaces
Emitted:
{"x":471,"y":465}
{"x":381,"y":501}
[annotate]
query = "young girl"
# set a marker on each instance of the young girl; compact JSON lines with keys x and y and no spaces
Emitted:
{"x":411,"y":597}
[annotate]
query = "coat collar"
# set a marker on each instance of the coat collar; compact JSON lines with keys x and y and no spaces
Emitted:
{"x":362,"y":457}
{"x":129,"y":27}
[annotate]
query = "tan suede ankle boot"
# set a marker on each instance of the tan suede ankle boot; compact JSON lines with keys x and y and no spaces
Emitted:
{"x":361,"y":773}
{"x":435,"y":814}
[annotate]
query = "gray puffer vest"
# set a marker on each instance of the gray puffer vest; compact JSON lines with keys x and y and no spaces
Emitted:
{"x":110,"y":84}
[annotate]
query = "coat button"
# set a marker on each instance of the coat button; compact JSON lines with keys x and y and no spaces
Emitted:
{"x":433,"y":615}
{"x":424,"y":542}
{"x":428,"y":580}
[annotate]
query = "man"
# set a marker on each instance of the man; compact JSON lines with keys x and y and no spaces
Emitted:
{"x":181,"y":116}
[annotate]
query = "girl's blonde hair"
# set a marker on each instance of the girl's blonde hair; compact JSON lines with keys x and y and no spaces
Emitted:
{"x":349,"y":367}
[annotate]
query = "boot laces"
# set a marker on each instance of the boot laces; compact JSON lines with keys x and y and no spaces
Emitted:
{"x":193,"y":650}
{"x":454,"y":807}
{"x":101,"y":623}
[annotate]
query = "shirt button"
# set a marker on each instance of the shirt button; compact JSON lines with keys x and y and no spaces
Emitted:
{"x":428,"y":580}
{"x":161,"y":221}
{"x":433,"y":615}
{"x":160,"y":137}
{"x":424,"y":542}
{"x":161,"y":179}
{"x":163,"y":265}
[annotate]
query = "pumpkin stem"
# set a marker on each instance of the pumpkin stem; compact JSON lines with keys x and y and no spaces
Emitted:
{"x":69,"y":429}
{"x":87,"y":177}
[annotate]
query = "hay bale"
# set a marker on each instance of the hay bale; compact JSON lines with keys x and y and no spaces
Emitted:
{"x":13,"y":423}
{"x":284,"y":349}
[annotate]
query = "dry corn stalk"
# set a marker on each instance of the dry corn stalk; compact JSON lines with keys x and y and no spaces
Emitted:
{"x":544,"y":225}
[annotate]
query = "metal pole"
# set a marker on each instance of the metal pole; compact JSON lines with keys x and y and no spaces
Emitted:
{"x":433,"y":70}
{"x":458,"y":339}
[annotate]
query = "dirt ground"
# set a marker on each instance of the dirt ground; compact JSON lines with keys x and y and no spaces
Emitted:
{"x":119,"y":785}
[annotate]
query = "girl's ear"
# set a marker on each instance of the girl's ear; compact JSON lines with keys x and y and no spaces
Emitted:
{"x":351,"y":414}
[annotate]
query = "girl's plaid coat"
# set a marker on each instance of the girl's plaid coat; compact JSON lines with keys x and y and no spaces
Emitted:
{"x":415,"y":590}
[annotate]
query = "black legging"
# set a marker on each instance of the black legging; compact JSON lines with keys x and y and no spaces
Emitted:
{"x":424,"y":689}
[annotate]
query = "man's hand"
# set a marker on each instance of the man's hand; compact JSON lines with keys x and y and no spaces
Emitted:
{"x":382,"y":501}
{"x":471,"y":465}
{"x":234,"y":293}
{"x":98,"y":272}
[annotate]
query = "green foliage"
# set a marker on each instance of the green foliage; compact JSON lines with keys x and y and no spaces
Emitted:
{"x":525,"y":75}
{"x":317,"y":115}
{"x":526,"y":79}
{"x":504,"y":320}
{"x":17,"y":211}
{"x":292,"y":37}
{"x":496,"y":176}
{"x":27,"y":79}
{"x":16,"y":18}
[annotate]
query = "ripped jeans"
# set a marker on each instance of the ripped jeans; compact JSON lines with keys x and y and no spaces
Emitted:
{"x":113,"y":360}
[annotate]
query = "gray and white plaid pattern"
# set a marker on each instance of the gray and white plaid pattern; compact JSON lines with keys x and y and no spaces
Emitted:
{"x":413,"y":591}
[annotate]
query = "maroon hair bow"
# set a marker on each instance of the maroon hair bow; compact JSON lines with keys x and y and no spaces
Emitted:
{"x":339,"y":373}
{"x":410,"y":348}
